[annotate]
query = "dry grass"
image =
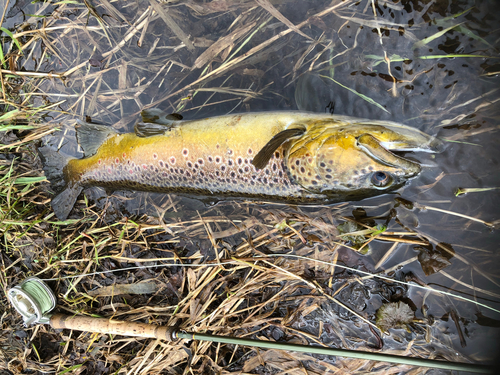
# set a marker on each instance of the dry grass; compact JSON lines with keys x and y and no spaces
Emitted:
{"x":213,"y":268}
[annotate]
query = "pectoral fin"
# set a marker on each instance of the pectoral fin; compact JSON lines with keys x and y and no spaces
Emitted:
{"x":263,"y":156}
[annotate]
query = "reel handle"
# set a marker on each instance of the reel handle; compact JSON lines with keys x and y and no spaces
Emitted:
{"x":113,"y":327}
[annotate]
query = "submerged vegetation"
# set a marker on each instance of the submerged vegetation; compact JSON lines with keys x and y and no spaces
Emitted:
{"x":255,"y":270}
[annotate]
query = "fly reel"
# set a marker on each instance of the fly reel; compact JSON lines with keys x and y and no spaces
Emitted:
{"x":34,"y":300}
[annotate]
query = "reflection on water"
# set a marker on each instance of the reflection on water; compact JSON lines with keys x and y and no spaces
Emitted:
{"x":429,"y":64}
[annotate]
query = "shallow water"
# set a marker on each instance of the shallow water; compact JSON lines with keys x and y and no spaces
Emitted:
{"x":455,"y":98}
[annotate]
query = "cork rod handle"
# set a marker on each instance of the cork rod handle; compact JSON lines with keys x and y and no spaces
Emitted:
{"x":113,"y":327}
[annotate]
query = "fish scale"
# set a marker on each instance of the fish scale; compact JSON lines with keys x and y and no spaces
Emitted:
{"x":303,"y":158}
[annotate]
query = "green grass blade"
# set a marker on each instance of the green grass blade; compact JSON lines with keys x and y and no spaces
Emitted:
{"x":9,"y":115}
{"x":29,"y":180}
{"x":12,"y":37}
{"x":429,"y":39}
{"x":364,"y":97}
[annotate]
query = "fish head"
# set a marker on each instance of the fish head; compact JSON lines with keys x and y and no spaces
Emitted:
{"x":356,"y":160}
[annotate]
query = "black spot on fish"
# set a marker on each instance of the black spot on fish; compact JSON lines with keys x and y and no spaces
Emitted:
{"x":210,"y":159}
{"x":229,"y":152}
{"x":189,"y":164}
{"x":314,"y":182}
{"x":223,"y":168}
{"x":329,"y":176}
{"x":247,"y":169}
{"x":155,"y":156}
{"x":250,"y":151}
{"x":328,"y":170}
{"x":230,"y":162}
{"x":322,"y":165}
{"x":185,"y":152}
{"x":162,"y":164}
{"x":297,"y":162}
{"x":302,"y":170}
{"x":217,"y":159}
{"x":200,"y":161}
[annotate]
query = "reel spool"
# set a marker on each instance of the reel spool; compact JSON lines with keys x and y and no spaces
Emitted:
{"x":34,"y":300}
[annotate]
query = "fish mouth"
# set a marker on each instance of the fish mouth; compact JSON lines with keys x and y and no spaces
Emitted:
{"x":386,"y":144}
{"x":373,"y":148}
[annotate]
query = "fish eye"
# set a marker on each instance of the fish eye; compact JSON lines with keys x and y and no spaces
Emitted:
{"x":381,"y":179}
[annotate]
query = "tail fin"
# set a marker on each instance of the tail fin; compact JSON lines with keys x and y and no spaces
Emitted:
{"x":66,"y":192}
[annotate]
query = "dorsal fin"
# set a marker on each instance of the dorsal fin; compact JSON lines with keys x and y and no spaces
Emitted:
{"x":91,"y":136}
{"x":157,"y":116}
{"x":263,"y":156}
{"x":147,"y":129}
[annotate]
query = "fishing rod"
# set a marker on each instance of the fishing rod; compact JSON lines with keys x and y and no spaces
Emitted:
{"x":34,"y":300}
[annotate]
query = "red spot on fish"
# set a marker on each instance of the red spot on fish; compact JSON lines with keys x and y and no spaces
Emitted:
{"x":130,"y":171}
{"x":144,"y":166}
{"x":117,"y":160}
{"x":99,"y":161}
{"x":124,"y":155}
{"x":172,"y":160}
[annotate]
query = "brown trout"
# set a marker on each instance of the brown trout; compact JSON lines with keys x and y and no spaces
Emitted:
{"x":295,"y":157}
